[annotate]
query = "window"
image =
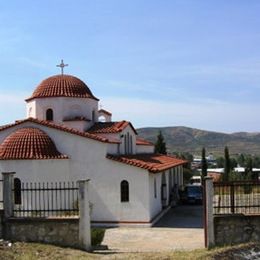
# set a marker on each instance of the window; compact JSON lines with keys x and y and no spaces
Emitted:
{"x":155,"y":188}
{"x":124,"y":191}
{"x":131,"y":144}
{"x":49,"y":115}
{"x":125,"y":140}
{"x":93,"y":115}
{"x":17,"y":191}
{"x":128,"y":140}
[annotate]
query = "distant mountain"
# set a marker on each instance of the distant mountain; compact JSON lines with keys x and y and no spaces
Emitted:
{"x":185,"y":139}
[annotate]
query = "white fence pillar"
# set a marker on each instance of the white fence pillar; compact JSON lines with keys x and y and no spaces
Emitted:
{"x":210,"y":241}
{"x":8,"y":193}
{"x":84,"y":216}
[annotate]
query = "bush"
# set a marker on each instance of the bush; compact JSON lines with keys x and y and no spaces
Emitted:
{"x":97,"y":235}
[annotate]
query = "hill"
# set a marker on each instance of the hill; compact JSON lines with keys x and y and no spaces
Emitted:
{"x":185,"y":139}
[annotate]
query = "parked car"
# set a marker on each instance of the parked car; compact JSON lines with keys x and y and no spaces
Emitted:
{"x":192,"y":194}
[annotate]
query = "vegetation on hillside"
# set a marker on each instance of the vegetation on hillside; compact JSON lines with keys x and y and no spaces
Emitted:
{"x":184,"y":139}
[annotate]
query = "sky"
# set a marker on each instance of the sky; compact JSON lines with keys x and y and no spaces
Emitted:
{"x":154,"y":63}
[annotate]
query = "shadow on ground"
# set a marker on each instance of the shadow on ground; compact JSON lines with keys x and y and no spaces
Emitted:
{"x":183,"y":216}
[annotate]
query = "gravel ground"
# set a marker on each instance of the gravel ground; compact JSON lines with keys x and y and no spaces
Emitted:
{"x":180,"y":229}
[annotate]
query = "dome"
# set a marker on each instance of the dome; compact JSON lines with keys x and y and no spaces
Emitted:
{"x":29,"y":143}
{"x":62,"y":86}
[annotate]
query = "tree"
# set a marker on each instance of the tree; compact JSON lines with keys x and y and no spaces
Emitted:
{"x":160,"y":145}
{"x":204,"y":164}
{"x":241,"y":160}
{"x":249,"y":175}
{"x":233,"y":163}
{"x":227,"y":167}
{"x":220,"y":162}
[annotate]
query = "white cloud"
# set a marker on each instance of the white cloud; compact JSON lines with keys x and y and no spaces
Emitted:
{"x":205,"y":114}
{"x":12,"y":107}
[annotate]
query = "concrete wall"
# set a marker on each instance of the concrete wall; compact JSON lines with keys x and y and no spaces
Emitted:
{"x":64,"y":232}
{"x":236,"y":229}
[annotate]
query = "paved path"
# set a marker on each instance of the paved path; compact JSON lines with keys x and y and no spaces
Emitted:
{"x":180,"y":229}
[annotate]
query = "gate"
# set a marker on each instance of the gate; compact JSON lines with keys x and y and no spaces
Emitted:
{"x":1,"y":195}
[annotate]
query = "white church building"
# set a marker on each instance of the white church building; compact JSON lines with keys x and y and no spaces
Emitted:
{"x":66,"y":137}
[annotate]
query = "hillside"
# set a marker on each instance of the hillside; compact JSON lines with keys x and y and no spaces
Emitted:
{"x":185,"y":139}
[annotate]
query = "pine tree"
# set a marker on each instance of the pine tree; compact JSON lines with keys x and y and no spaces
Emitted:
{"x":249,"y":175}
{"x":227,"y":167}
{"x":160,"y":145}
{"x":204,"y":164}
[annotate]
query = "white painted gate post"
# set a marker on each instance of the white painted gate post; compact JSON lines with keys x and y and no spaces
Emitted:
{"x":209,"y":211}
{"x":8,"y":194}
{"x":84,"y":216}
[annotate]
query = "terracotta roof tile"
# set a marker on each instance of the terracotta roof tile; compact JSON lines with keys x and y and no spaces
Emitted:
{"x":59,"y":127}
{"x":140,"y":141}
{"x":62,"y":86}
{"x":29,"y":143}
{"x":109,"y":127}
{"x":152,"y":162}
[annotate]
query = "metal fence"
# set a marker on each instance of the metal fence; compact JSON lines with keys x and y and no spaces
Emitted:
{"x":241,"y":197}
{"x":1,"y":195}
{"x":50,"y":199}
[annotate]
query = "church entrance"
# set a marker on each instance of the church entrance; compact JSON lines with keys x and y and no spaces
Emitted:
{"x":164,"y":191}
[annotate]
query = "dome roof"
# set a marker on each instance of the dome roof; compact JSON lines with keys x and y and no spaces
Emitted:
{"x":29,"y":143}
{"x":62,"y":86}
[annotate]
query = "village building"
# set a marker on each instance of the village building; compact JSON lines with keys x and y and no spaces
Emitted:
{"x":66,"y":137}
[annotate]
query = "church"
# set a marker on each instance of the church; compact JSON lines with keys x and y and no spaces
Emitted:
{"x":66,"y":137}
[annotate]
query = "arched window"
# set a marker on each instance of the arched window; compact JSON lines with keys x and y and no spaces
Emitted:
{"x":49,"y":114}
{"x":17,"y":191}
{"x":124,"y":191}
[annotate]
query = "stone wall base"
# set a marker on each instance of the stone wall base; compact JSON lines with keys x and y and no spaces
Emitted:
{"x":236,"y":229}
{"x":62,"y":232}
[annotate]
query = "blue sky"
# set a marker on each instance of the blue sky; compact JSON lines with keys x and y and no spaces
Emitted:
{"x":155,"y":63}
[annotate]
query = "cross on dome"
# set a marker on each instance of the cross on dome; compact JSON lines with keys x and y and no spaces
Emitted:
{"x":62,"y":65}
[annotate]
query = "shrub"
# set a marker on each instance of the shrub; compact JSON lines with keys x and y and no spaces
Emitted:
{"x":97,"y":235}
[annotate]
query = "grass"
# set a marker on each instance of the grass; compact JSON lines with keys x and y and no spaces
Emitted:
{"x":31,"y":251}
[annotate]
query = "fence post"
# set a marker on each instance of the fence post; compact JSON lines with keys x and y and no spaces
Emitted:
{"x":8,"y":194}
{"x":84,"y":216}
{"x":210,"y":241}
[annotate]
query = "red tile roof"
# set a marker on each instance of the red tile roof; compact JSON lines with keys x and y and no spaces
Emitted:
{"x":29,"y":143}
{"x":140,"y":141}
{"x":109,"y":127}
{"x":59,"y":127}
{"x":152,"y":162}
{"x":62,"y":86}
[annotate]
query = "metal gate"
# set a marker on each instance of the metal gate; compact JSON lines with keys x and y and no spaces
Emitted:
{"x":1,"y":195}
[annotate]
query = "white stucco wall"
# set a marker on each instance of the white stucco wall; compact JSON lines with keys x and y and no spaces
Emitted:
{"x":155,"y":199}
{"x":79,"y":125}
{"x":63,"y":107}
{"x":87,"y":160}
{"x":144,"y":149}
